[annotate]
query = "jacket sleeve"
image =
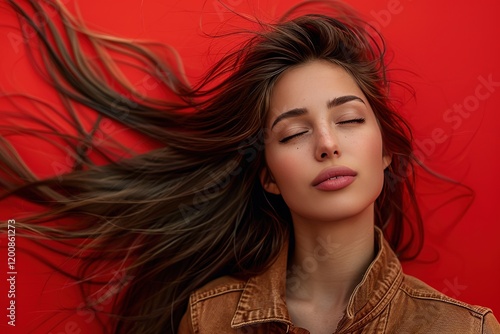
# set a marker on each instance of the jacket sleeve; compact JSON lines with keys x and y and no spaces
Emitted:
{"x":186,"y":326}
{"x":491,"y":325}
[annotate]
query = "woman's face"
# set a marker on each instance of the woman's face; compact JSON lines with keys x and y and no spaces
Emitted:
{"x":324,"y":146}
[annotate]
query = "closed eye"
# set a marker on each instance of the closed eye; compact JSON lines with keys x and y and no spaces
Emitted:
{"x":354,"y":120}
{"x":284,"y":140}
{"x":349,"y":121}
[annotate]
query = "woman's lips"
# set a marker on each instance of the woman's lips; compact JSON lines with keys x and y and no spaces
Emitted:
{"x":334,"y":178}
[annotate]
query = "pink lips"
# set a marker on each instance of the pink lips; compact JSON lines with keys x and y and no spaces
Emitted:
{"x":334,"y":178}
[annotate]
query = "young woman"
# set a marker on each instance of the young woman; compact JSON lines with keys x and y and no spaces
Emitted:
{"x":267,"y":205}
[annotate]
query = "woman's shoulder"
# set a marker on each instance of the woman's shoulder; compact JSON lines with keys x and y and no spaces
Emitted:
{"x":211,"y":308}
{"x":427,"y":306}
{"x":417,"y":289}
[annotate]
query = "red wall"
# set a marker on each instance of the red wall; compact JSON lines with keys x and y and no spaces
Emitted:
{"x":447,"y":50}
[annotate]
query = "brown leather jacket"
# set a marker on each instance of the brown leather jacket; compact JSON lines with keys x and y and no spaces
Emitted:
{"x":385,"y":301}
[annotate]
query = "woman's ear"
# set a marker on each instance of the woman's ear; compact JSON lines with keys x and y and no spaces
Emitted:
{"x":386,"y":160}
{"x":267,"y":181}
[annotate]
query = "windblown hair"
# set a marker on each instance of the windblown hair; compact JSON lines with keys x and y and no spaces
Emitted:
{"x":193,"y":208}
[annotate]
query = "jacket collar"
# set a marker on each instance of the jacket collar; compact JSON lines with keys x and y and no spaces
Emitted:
{"x":263,"y":298}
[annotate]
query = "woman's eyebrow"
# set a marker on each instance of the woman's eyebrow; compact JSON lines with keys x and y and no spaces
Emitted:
{"x":290,"y":113}
{"x":335,"y":102}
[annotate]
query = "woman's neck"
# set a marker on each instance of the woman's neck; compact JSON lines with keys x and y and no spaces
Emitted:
{"x":330,"y":259}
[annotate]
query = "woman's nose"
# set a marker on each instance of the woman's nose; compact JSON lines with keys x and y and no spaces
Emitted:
{"x":327,"y":145}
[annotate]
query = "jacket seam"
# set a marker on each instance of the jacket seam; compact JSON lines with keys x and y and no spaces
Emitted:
{"x":388,"y":310}
{"x":194,"y":317}
{"x":212,"y":293}
{"x":414,"y":293}
{"x":261,"y":321}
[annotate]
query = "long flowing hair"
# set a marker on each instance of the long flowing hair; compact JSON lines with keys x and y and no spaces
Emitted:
{"x":191,"y":209}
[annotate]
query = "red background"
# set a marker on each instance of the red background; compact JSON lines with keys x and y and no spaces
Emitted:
{"x":444,"y":49}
